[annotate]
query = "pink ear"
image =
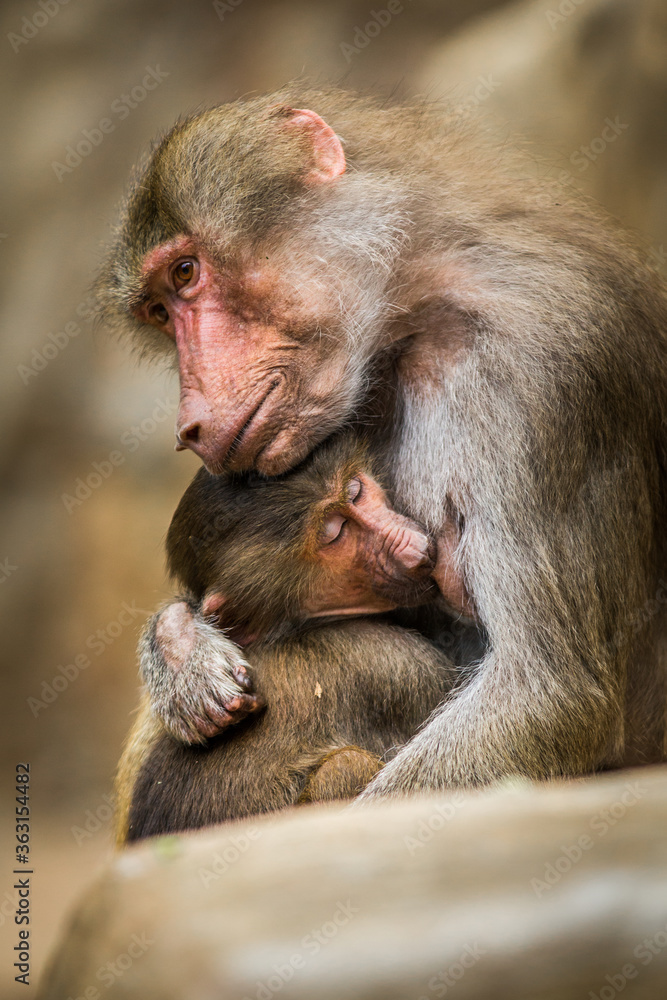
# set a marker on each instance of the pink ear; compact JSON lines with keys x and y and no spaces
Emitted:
{"x":211,"y":604}
{"x":328,"y":155}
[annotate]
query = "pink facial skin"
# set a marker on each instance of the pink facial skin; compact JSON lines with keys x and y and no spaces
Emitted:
{"x":370,"y":560}
{"x":258,"y":388}
{"x":375,"y":559}
{"x":258,"y":385}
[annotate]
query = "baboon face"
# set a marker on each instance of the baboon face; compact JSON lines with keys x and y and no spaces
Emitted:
{"x":261,"y":302}
{"x":321,"y":540}
{"x":264,"y":373}
{"x":369,"y":557}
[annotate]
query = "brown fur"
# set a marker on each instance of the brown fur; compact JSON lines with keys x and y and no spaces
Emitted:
{"x":341,"y":696}
{"x":251,"y":555}
{"x":340,"y":774}
{"x":524,"y":342}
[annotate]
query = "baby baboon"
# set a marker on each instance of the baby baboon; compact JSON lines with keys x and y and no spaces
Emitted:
{"x":267,"y":559}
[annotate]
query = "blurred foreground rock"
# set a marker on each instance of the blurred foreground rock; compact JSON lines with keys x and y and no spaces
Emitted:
{"x":524,"y":893}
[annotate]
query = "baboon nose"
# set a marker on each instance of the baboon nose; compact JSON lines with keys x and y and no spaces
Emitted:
{"x":187,"y":435}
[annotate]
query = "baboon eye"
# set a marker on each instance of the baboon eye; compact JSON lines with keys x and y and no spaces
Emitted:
{"x":353,"y":490}
{"x":332,"y":528}
{"x":159,"y":313}
{"x":184,"y":273}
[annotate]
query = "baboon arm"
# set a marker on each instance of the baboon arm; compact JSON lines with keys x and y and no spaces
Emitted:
{"x":481,"y":736}
{"x":548,"y":698}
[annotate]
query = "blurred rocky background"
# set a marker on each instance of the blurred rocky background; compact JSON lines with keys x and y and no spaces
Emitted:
{"x":89,"y":478}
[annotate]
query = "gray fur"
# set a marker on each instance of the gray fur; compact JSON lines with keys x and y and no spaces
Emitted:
{"x":202,"y":685}
{"x":529,"y":354}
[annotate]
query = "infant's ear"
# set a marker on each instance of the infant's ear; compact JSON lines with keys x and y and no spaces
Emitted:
{"x":211,"y":607}
{"x":212,"y":603}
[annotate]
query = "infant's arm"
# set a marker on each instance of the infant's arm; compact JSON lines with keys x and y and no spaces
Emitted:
{"x":197,"y":678}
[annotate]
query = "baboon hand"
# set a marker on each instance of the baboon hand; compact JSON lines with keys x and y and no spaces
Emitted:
{"x":197,"y":678}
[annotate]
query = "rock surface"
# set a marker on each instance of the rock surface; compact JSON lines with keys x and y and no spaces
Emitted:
{"x":525,"y":892}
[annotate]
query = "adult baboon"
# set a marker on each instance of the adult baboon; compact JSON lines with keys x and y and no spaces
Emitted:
{"x":290,"y":255}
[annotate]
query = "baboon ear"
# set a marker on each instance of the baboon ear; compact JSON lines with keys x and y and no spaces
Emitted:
{"x":328,"y":158}
{"x":212,"y":606}
{"x":212,"y":603}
